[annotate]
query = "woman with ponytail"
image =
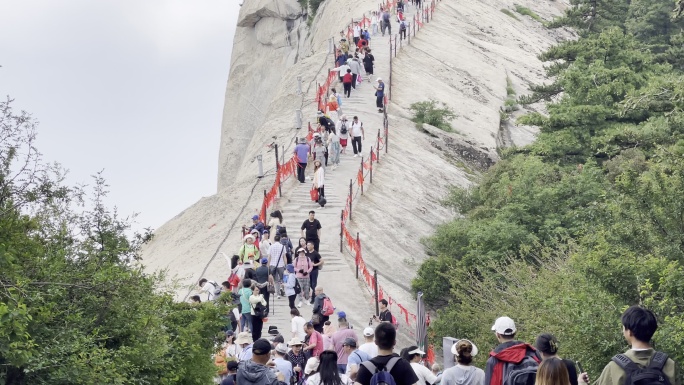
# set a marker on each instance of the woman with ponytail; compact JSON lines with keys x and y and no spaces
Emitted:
{"x":463,"y":373}
{"x":547,"y":345}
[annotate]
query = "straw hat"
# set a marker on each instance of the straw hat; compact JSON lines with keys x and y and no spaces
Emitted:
{"x":295,"y":341}
{"x":248,"y":236}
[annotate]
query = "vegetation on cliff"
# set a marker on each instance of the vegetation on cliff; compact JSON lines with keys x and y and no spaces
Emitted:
{"x":75,"y":306}
{"x":563,"y":234}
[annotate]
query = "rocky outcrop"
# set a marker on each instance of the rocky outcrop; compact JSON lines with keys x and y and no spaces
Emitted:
{"x":268,"y":41}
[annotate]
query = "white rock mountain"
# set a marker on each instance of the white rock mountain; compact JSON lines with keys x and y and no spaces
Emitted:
{"x":462,"y":58}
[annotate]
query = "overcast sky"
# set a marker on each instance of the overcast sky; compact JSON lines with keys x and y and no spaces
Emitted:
{"x":134,"y":87}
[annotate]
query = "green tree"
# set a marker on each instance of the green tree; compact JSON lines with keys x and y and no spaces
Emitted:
{"x":75,"y":305}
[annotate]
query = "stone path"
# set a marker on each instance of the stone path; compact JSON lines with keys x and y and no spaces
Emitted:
{"x":337,"y":276}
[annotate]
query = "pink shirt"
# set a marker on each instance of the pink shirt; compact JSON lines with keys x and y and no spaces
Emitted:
{"x":316,"y":338}
{"x":302,"y":263}
{"x":338,"y":339}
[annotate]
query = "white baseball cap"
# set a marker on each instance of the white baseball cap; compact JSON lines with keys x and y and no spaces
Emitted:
{"x":368,"y":332}
{"x":504,"y":326}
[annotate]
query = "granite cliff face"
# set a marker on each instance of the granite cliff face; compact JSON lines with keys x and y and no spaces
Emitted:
{"x":463,"y":58}
{"x":268,"y":42}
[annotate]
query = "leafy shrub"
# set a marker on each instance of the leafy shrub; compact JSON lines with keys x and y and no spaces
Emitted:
{"x":428,"y":112}
{"x":528,"y":12}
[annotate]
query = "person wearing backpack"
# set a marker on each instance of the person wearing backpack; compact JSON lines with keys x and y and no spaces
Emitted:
{"x":321,"y":312}
{"x":212,"y":289}
{"x":652,"y":367}
{"x":386,"y":23}
{"x":258,"y":310}
{"x":343,"y":129}
{"x":356,"y":357}
{"x":512,"y":362}
{"x":387,"y":367}
{"x":302,"y":267}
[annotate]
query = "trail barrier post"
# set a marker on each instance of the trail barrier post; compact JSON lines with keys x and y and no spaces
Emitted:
{"x":371,"y":166}
{"x":350,"y":199}
{"x":375,"y":287}
{"x":395,"y":46}
{"x":341,"y":229}
{"x":299,"y":85}
{"x":280,"y":191}
{"x":361,"y":170}
{"x":298,"y":119}
{"x":378,"y":147}
{"x":356,"y":259}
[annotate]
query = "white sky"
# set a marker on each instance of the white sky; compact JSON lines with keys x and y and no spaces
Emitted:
{"x":134,"y":87}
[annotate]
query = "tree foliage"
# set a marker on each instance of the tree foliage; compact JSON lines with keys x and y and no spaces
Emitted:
{"x":565,"y":233}
{"x":75,"y":305}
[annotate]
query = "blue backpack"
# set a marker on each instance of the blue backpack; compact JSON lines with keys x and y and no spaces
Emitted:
{"x":382,"y":377}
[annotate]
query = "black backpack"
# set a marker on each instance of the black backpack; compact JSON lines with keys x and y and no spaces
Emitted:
{"x":640,"y":375}
{"x":523,"y":372}
{"x":260,"y":310}
{"x":343,"y":128}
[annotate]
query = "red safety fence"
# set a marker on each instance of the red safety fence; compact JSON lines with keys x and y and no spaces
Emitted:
{"x":353,"y":243}
{"x":365,"y":172}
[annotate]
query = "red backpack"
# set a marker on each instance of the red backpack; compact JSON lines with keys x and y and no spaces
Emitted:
{"x":328,"y":308}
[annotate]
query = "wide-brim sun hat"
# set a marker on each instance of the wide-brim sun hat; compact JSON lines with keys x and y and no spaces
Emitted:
{"x":249,"y":236}
{"x":244,"y":338}
{"x":295,"y":341}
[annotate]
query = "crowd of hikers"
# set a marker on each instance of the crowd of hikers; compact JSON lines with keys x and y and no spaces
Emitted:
{"x":338,"y":356}
{"x":316,"y":350}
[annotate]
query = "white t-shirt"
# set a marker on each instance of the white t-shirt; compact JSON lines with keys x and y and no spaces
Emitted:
{"x":356,"y":128}
{"x":357,"y":31}
{"x":209,"y":288}
{"x":298,"y":327}
{"x":370,"y":348}
{"x":424,"y":374}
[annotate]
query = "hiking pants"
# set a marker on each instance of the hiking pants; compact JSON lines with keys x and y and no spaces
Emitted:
{"x":245,"y":321}
{"x":257,"y":325}
{"x":277,"y":273}
{"x":314,"y":280}
{"x":386,"y":26}
{"x":291,"y":300}
{"x":356,"y":144}
{"x":379,"y":101}
{"x":375,"y":29}
{"x":402,"y":34}
{"x":301,"y":172}
{"x":304,"y":283}
{"x":321,"y":193}
{"x":354,"y":76}
{"x":347,"y":89}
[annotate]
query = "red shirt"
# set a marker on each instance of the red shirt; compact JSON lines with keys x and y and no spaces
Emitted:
{"x":347,"y":78}
{"x":316,"y":338}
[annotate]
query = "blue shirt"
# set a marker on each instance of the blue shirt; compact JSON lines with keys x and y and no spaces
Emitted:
{"x":381,"y":90}
{"x":356,"y":358}
{"x":285,"y":367}
{"x":302,"y":151}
